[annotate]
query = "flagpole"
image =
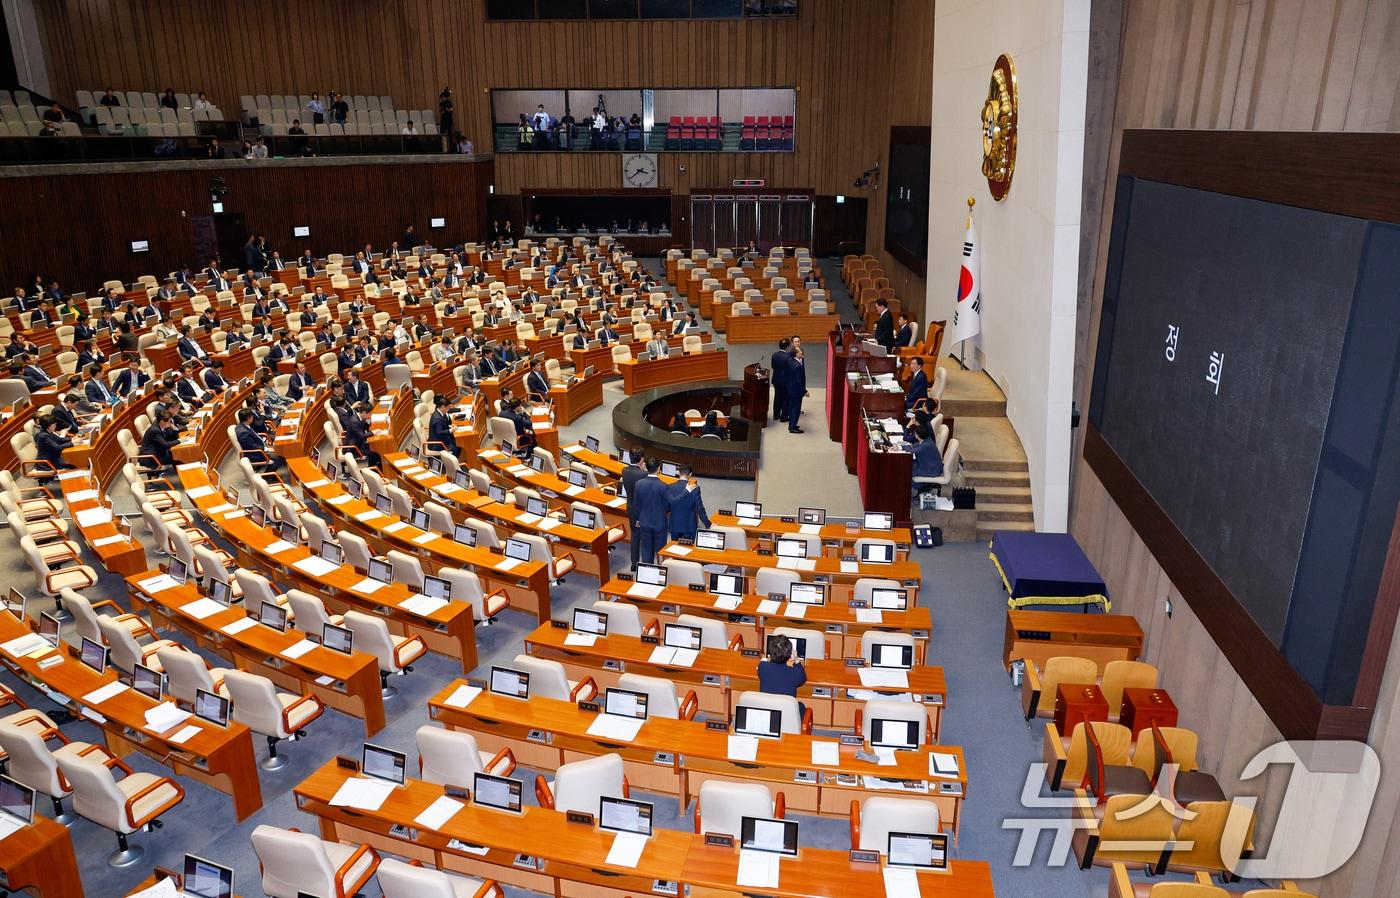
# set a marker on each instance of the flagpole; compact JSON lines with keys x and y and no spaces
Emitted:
{"x":967,"y":223}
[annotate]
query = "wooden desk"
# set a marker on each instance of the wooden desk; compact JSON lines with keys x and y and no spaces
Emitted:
{"x":222,"y":758}
{"x":39,"y":859}
{"x":589,"y":547}
{"x":118,"y":551}
{"x":152,"y":880}
{"x":719,"y":675}
{"x":839,"y":361}
{"x":842,"y":574}
{"x":574,"y":855}
{"x":749,"y":619}
{"x":573,"y":400}
{"x":863,"y":399}
{"x":677,"y":369}
{"x":837,"y":539}
{"x":557,"y":491}
{"x":448,"y":631}
{"x":677,"y":756}
{"x":527,"y":583}
{"x":1039,"y":636}
{"x":348,"y":683}
{"x":491,"y":387}
{"x":772,"y":328}
{"x":886,"y":478}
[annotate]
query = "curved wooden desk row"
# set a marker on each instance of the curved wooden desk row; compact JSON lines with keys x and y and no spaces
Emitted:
{"x":572,"y":857}
{"x":676,"y":369}
{"x":109,"y":539}
{"x":219,"y":757}
{"x":510,"y":471}
{"x":765,"y":327}
{"x":348,"y":683}
{"x":833,"y":691}
{"x":675,"y":757}
{"x":752,"y":616}
{"x":589,"y":547}
{"x":836,"y":537}
{"x":448,"y":631}
{"x":842,"y":575}
{"x":39,"y":858}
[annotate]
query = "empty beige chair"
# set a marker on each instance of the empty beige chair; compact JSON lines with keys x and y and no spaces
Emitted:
{"x":580,"y":785}
{"x":712,"y":632}
{"x":311,"y":614}
{"x":394,"y":653}
{"x":864,"y":586}
{"x":812,"y":645}
{"x":615,"y":534}
{"x":407,"y":569}
{"x":548,"y":680}
{"x":51,"y":581}
{"x":503,"y":431}
{"x":878,"y":710}
{"x":680,"y":572}
{"x":873,"y":820}
{"x":295,"y":863}
{"x":466,"y":587}
{"x":790,"y":720}
{"x":872,"y":638}
{"x":30,"y":761}
{"x":888,"y":545}
{"x":123,"y":806}
{"x":621,"y":352}
{"x":692,"y":344}
{"x":85,"y":614}
{"x":186,"y":673}
{"x":734,"y":537}
{"x":277,"y":715}
{"x":126,"y":651}
{"x":452,"y":758}
{"x":721,"y":806}
{"x":558,"y":566}
{"x":400,"y":880}
{"x":662,"y":700}
{"x":623,"y":618}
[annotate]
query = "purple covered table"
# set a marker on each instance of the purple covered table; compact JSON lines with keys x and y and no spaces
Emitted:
{"x":1046,"y":569}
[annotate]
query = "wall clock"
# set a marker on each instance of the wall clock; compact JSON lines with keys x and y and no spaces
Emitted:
{"x":639,"y":169}
{"x":999,"y":114}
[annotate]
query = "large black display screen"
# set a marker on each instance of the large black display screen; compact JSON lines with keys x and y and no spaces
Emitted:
{"x":1224,"y":322}
{"x":906,"y":197}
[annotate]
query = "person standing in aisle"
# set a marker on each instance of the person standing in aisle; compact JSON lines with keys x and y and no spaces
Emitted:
{"x":653,"y":512}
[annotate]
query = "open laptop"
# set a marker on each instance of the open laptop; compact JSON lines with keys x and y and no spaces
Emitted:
{"x":206,"y":879}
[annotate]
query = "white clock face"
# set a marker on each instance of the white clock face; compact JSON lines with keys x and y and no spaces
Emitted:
{"x":639,"y":169}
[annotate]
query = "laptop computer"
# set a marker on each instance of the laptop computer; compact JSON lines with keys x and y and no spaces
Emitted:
{"x":624,"y":712}
{"x":920,"y":851}
{"x":206,"y":879}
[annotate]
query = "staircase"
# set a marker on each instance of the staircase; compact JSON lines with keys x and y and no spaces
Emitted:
{"x":1003,"y":495}
{"x":993,"y":461}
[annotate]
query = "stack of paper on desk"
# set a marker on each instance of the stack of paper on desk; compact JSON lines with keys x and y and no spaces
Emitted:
{"x":613,"y":726}
{"x":883,"y":678}
{"x":165,"y":716}
{"x":664,"y":654}
{"x":758,"y":869}
{"x":626,"y":850}
{"x":362,"y":793}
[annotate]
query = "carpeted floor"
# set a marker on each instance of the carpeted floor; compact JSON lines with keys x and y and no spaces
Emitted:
{"x":961,"y":587}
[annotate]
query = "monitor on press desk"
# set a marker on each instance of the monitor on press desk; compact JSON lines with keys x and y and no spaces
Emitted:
{"x":464,"y":535}
{"x":496,"y":791}
{"x":764,"y":834}
{"x":383,"y":763}
{"x":382,"y":571}
{"x":765,"y":722}
{"x":876,"y":553}
{"x":727,"y":584}
{"x":887,"y":599}
{"x":340,"y":639}
{"x":878,"y":520}
{"x":792,"y":548}
{"x":518,"y":549}
{"x":807,"y":593}
{"x":586,"y":621}
{"x":206,"y":879}
{"x":709,"y":539}
{"x":895,"y":657}
{"x":670,"y":469}
{"x":679,"y":636}
{"x":625,"y":703}
{"x":147,"y":681}
{"x":900,"y":734}
{"x":748,"y":510}
{"x":651,"y":574}
{"x":623,"y":815}
{"x":510,"y":682}
{"x":582,"y":517}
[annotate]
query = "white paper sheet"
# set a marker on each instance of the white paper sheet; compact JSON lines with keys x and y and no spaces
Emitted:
{"x":882,"y":678}
{"x":826,"y":754}
{"x":758,"y":869}
{"x":109,"y":540}
{"x":82,"y":495}
{"x":644,"y":590}
{"x":727,"y":603}
{"x":769,"y":606}
{"x":278,"y":546}
{"x":222,"y":508}
{"x":185,"y":735}
{"x":315,"y":566}
{"x":507,"y":564}
{"x":572,"y":490}
{"x":626,"y":850}
{"x":362,"y":793}
{"x":677,"y":550}
{"x":901,"y":882}
{"x":395,"y":527}
{"x":615,"y":727}
{"x":581,"y":639}
{"x":462,"y":696}
{"x":341,"y":499}
{"x":199,"y":609}
{"x":742,"y":748}
{"x":98,"y":696}
{"x":297,"y":649}
{"x":789,"y":564}
{"x":156,"y":584}
{"x":368,"y":586}
{"x":810,"y":529}
{"x":529,"y":519}
{"x":618,"y":503}
{"x":850,"y":567}
{"x":235,"y":627}
{"x":885,"y":755}
{"x":200,"y":492}
{"x":370,"y":515}
{"x":421,"y":604}
{"x":548,"y":524}
{"x":794,"y":609}
{"x":24,"y":645}
{"x":750,"y":522}
{"x":165,"y":716}
{"x":425,"y":537}
{"x":869,"y":615}
{"x":438,"y":813}
{"x":163,"y":889}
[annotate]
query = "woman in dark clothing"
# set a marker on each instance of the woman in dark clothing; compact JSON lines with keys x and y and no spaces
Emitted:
{"x":782,"y":673}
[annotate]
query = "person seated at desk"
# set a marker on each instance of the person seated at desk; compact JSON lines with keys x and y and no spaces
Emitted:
{"x":440,"y":434}
{"x":166,"y":398}
{"x":42,"y":317}
{"x":357,"y":433}
{"x":49,"y":445}
{"x":687,"y":325}
{"x":213,"y":375}
{"x":34,"y":377}
{"x":307,"y":317}
{"x":283,"y":349}
{"x":319,"y":299}
{"x":208,"y":321}
{"x":904,"y":337}
{"x":234,"y":339}
{"x":346,"y":359}
{"x":251,"y":444}
{"x":470,"y":367}
{"x":159,"y":441}
{"x":356,"y":390}
{"x":266,"y":381}
{"x":19,"y":346}
{"x":918,"y":384}
{"x":606,"y":336}
{"x":262,"y":328}
{"x":782,"y":672}
{"x":686,"y":507}
{"x":300,"y":382}
{"x":490,"y":365}
{"x":712,"y":427}
{"x":95,"y":389}
{"x":537,"y":382}
{"x":89,"y":354}
{"x":188,"y":346}
{"x":66,"y":414}
{"x":84,"y":328}
{"x":442,"y":349}
{"x":513,"y":409}
{"x":679,"y":424}
{"x":927,"y":461}
{"x":188,"y":388}
{"x":658,"y":347}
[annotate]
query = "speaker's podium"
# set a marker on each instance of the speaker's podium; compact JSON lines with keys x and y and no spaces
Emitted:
{"x":753,"y":395}
{"x":844,"y":354}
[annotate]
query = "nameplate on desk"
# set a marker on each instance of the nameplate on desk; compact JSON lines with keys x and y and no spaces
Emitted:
{"x":835,"y":628}
{"x":582,"y":817}
{"x":479,"y":684}
{"x":765,"y":552}
{"x":852,"y":739}
{"x":589,"y":706}
{"x":559,"y":624}
{"x":858,"y":603}
{"x":648,"y":639}
{"x":848,"y":558}
{"x":726,"y":511}
{"x":696,"y":587}
{"x":460,"y":793}
{"x":719,"y":725}
{"x":345,"y":763}
{"x":864,"y":857}
{"x":720,"y":840}
{"x":1038,"y":635}
{"x":624,"y":576}
{"x":788,"y":519}
{"x":685,"y":542}
{"x":749,"y":653}
{"x":675,"y":609}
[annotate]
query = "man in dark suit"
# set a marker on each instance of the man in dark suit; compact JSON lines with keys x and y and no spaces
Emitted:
{"x":42,"y":316}
{"x":284,"y":349}
{"x":631,"y":475}
{"x":307,"y":263}
{"x":19,"y":346}
{"x":653,"y":512}
{"x":905,"y":335}
{"x":308,"y":317}
{"x":214,"y":377}
{"x":186,"y":280}
{"x":346,"y":359}
{"x":440,"y":426}
{"x":356,"y":390}
{"x":132,"y":378}
{"x":606,"y":336}
{"x":215,"y":277}
{"x":781,"y":358}
{"x":357,"y":434}
{"x":189,"y":389}
{"x":261,"y":328}
{"x":49,"y":444}
{"x":159,"y":441}
{"x":513,"y":410}
{"x":96,"y":390}
{"x":189,"y":347}
{"x":251,"y":443}
{"x":884,"y":325}
{"x":65,"y":413}
{"x":687,"y":507}
{"x":796,"y":383}
{"x":490,"y":365}
{"x":536,"y":382}
{"x":918,"y":384}
{"x":299,"y":383}
{"x":35,"y":378}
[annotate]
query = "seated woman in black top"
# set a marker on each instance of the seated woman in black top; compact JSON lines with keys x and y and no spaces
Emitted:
{"x":781,"y":673}
{"x":712,"y":425}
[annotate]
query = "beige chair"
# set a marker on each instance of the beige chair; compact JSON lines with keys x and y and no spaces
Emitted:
{"x":126,"y":651}
{"x":452,"y":758}
{"x":873,"y":820}
{"x":296,"y":863}
{"x":557,"y":566}
{"x":394,"y":653}
{"x":879,"y":709}
{"x":311,"y":614}
{"x":412,"y":880}
{"x":581,"y":785}
{"x":680,"y":572}
{"x":791,"y":719}
{"x":623,"y":618}
{"x":50,"y":577}
{"x":548,"y":680}
{"x":24,"y":738}
{"x":186,"y":673}
{"x":721,"y":806}
{"x":712,"y":632}
{"x":813,"y":641}
{"x":773,"y":579}
{"x":466,"y":587}
{"x":124,"y":806}
{"x":86,"y":612}
{"x":662,"y":700}
{"x":277,"y":715}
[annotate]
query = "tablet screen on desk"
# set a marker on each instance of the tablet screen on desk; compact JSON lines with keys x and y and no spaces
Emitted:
{"x":586,"y":621}
{"x":383,"y":763}
{"x":582,"y":517}
{"x":900,"y":657}
{"x":877,"y":553}
{"x":177,"y":570}
{"x":900,"y":734}
{"x":928,"y":851}
{"x":537,"y":463}
{"x":220,"y":592}
{"x":382,"y":571}
{"x":354,"y":488}
{"x":811,"y":516}
{"x":16,"y":799}
{"x":772,"y":836}
{"x":384,"y":504}
{"x":289,"y":532}
{"x":497,"y":791}
{"x":211,"y":707}
{"x":651,"y":574}
{"x":748,"y":509}
{"x":622,"y":815}
{"x":496,"y":492}
{"x":15,"y":602}
{"x":206,"y":879}
{"x":765,"y":722}
{"x":258,"y":515}
{"x":709,"y":539}
{"x":792,"y":548}
{"x":670,"y":469}
{"x":419,"y":518}
{"x":464,"y":535}
{"x":93,"y":655}
{"x":49,"y":628}
{"x":591,"y":444}
{"x":680,"y":636}
{"x":518,"y":549}
{"x":535,"y":505}
{"x":148,"y":681}
{"x":510,"y":682}
{"x":807,"y":593}
{"x":727,"y":584}
{"x":333,"y":553}
{"x":878,"y":520}
{"x":437,"y":588}
{"x":462,"y":479}
{"x":273,"y":615}
{"x":625,"y":703}
{"x":435,"y":464}
{"x":889,"y":599}
{"x":577,"y":478}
